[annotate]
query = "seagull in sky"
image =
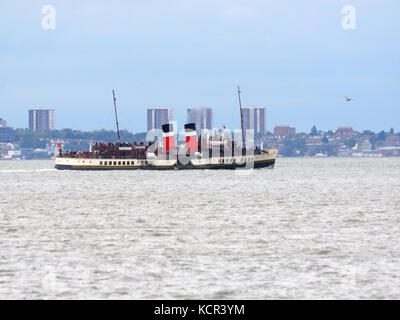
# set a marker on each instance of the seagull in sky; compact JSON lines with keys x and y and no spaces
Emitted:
{"x":347,"y":98}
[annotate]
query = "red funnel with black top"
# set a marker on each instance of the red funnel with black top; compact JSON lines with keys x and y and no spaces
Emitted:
{"x":191,"y":137}
{"x":168,"y":137}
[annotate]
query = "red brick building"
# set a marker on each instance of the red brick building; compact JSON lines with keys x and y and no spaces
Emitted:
{"x":284,"y":131}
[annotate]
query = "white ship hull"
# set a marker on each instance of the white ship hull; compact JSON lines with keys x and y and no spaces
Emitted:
{"x":265,"y":159}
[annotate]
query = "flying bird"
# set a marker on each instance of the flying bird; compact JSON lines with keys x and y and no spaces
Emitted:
{"x":347,"y":98}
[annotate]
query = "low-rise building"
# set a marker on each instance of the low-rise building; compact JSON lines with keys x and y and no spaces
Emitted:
{"x":364,"y":145}
{"x":7,"y":134}
{"x":284,"y":131}
{"x":314,"y":140}
{"x":344,"y":132}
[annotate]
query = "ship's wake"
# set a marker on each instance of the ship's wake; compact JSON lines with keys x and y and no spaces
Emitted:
{"x":26,"y":170}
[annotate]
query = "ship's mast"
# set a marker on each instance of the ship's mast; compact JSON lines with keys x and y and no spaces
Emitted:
{"x":116,"y":117}
{"x":241,"y":119}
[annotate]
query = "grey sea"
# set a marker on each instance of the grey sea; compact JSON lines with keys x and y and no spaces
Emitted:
{"x":309,"y":228}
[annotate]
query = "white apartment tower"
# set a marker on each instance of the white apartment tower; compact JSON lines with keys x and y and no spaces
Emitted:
{"x":156,"y":117}
{"x":202,"y":117}
{"x":41,"y":120}
{"x":254,"y":118}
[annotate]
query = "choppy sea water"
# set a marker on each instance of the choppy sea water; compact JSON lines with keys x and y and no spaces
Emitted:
{"x":310,"y":228}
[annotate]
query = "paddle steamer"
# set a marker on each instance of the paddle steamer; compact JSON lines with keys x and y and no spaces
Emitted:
{"x":197,"y":153}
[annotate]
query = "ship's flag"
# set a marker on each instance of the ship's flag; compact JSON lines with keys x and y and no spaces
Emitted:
{"x":191,"y":137}
{"x":58,"y":145}
{"x":168,"y":136}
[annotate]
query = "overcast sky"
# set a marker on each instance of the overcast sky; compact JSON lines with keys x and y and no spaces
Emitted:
{"x":292,"y":57}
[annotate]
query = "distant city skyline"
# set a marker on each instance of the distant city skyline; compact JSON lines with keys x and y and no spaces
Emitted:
{"x":292,"y":57}
{"x":156,"y":117}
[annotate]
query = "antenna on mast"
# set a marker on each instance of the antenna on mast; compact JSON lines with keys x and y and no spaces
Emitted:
{"x":116,"y":117}
{"x":241,"y":119}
